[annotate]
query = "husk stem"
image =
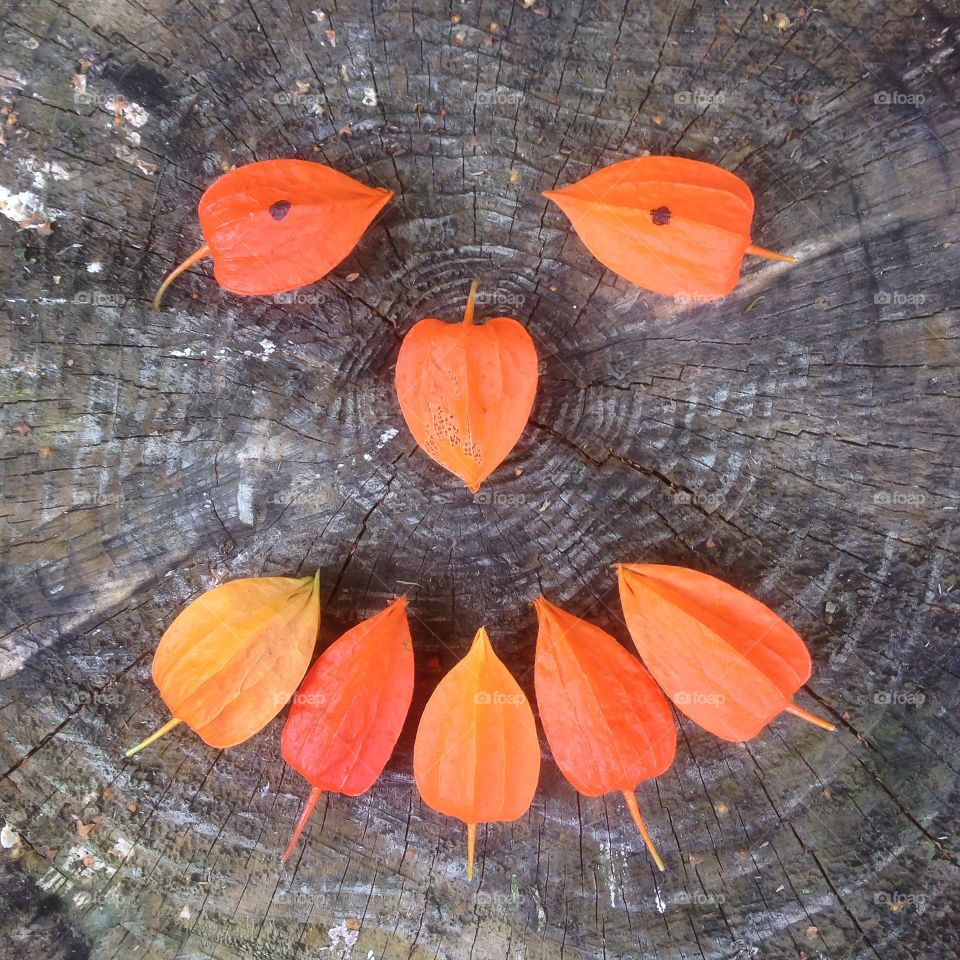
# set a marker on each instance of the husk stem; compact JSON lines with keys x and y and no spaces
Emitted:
{"x":166,"y":728}
{"x":631,"y":799}
{"x":796,"y":711}
{"x":769,"y":254}
{"x":194,"y":257}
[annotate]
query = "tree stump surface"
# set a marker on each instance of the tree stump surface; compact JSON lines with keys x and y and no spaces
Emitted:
{"x":798,"y":438}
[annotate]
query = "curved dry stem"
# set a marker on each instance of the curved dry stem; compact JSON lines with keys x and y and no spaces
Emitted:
{"x":194,"y":257}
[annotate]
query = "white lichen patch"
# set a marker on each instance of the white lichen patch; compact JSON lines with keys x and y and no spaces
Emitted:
{"x":123,"y":847}
{"x":130,"y":110}
{"x":387,"y":436}
{"x":10,"y":78}
{"x":124,"y":153}
{"x":26,"y":210}
{"x":245,"y":503}
{"x":40,"y":170}
{"x":82,"y":858}
{"x":94,"y":267}
{"x":342,"y":934}
{"x":267,"y":347}
{"x":9,"y":837}
{"x":369,"y":97}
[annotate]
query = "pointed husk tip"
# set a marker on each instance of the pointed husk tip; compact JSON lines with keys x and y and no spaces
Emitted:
{"x":315,"y":794}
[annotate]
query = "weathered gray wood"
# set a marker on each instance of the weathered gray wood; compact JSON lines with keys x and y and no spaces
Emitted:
{"x":798,"y":439}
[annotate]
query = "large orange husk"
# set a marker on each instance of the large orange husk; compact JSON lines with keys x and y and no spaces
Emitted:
{"x":349,"y":711}
{"x":230,"y":661}
{"x":727,"y":661}
{"x":476,"y":755}
{"x":466,"y":390}
{"x":277,"y":225}
{"x":608,"y":725}
{"x":675,"y":226}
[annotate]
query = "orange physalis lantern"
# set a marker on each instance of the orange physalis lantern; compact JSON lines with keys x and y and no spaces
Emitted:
{"x":477,"y":756}
{"x":349,"y":711}
{"x":608,"y":725}
{"x":727,"y":661}
{"x":230,"y":661}
{"x":675,"y":226}
{"x":466,"y":390}
{"x":280,"y":224}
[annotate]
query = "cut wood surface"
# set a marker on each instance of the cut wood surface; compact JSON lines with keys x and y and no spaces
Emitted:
{"x":797,"y":438}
